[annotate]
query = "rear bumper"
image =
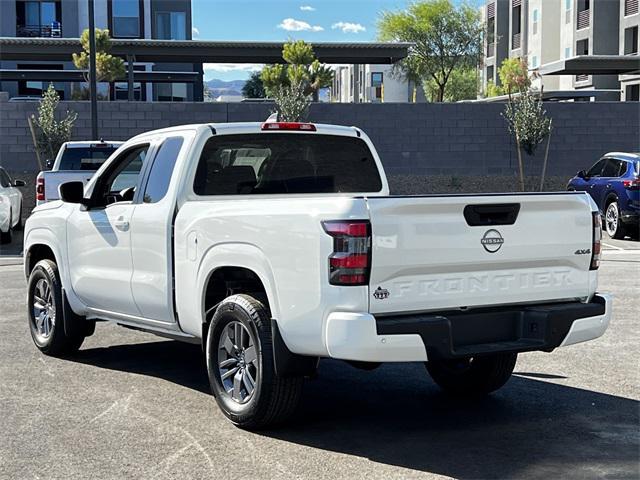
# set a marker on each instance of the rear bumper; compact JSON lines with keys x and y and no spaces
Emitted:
{"x":406,"y":338}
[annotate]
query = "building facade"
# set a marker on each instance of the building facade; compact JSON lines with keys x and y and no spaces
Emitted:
{"x":125,"y":19}
{"x":372,"y":84}
{"x":546,"y":31}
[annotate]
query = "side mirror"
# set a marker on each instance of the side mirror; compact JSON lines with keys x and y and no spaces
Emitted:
{"x":581,"y":174}
{"x":71,"y":192}
{"x":19,"y":183}
{"x":48,"y":163}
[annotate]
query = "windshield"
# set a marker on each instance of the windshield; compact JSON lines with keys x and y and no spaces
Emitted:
{"x":85,"y":158}
{"x":275,"y":163}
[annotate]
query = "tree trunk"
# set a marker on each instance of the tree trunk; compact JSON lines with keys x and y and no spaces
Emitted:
{"x":316,"y":96}
{"x":35,"y":143}
{"x":441,"y":93}
{"x":544,"y":163}
{"x":520,"y":167}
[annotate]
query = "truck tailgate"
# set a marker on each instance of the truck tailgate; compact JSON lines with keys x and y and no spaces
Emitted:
{"x":427,"y":254}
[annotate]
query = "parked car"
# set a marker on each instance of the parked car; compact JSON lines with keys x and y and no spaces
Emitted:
{"x":10,"y":206}
{"x":74,"y":161}
{"x":614,"y":184}
{"x":274,"y":245}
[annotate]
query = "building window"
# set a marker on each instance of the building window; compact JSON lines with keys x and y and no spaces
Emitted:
{"x":535,"y":22}
{"x":567,"y":52}
{"x":35,"y":88}
{"x":516,"y":26}
{"x":490,"y":71}
{"x":125,"y":18}
{"x":172,"y":92}
{"x":534,"y":61}
{"x":583,"y":14}
{"x":582,"y":47}
{"x":630,"y":7}
{"x":632,"y":93}
{"x":377,"y":79}
{"x":171,"y":25}
{"x":38,"y":19}
{"x":568,"y":5}
{"x":631,"y":40}
{"x":120,"y":90}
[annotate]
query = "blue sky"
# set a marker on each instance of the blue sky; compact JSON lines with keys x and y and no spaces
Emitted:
{"x":278,"y":20}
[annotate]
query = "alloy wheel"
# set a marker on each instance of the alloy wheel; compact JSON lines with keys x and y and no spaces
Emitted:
{"x":612,"y":219}
{"x":44,"y":311}
{"x":238,"y":362}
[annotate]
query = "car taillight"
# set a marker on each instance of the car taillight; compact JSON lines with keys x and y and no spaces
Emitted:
{"x":40,"y":189}
{"x":632,"y":184}
{"x":309,"y":127}
{"x":596,"y":246}
{"x":350,"y":262}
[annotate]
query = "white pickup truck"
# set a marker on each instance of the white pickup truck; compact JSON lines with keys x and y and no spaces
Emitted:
{"x":74,"y":161}
{"x":274,"y":245}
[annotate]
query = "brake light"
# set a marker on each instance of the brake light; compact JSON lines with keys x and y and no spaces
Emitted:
{"x":309,"y":127}
{"x":596,"y":245}
{"x":632,"y":184}
{"x":40,"y":189}
{"x":350,"y":262}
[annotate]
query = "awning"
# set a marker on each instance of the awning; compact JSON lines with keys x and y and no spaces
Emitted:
{"x":78,"y":76}
{"x":593,"y":65}
{"x":198,"y":51}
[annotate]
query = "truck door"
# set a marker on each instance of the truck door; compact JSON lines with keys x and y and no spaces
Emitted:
{"x":152,"y":234}
{"x":99,"y":237}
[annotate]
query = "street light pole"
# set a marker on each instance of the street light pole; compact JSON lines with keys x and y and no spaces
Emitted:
{"x":93,"y":89}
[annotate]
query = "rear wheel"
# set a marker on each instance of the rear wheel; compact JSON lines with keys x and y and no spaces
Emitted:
{"x":46,"y":307}
{"x":19,"y":224}
{"x":612,"y":221}
{"x":473,"y":376}
{"x":6,"y":237}
{"x":241,"y":369}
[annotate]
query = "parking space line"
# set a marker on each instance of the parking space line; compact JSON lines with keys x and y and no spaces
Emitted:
{"x":612,"y":246}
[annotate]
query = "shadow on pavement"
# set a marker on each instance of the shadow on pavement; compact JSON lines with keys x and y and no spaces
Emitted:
{"x":395,"y":415}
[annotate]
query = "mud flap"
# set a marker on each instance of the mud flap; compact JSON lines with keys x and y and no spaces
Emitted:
{"x":287,"y":363}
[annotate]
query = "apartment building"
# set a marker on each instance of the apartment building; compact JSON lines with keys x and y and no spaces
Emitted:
{"x":125,"y":19}
{"x":548,"y":31}
{"x":372,"y":84}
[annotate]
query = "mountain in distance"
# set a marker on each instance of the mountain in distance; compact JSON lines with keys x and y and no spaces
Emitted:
{"x":222,"y":87}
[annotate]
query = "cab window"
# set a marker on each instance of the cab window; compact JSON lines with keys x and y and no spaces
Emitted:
{"x":596,"y":169}
{"x":119,"y":184}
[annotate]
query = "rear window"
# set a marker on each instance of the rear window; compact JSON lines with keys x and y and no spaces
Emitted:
{"x":272,"y":163}
{"x":85,"y":158}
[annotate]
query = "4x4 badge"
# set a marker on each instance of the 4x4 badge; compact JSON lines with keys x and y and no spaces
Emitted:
{"x":381,"y":293}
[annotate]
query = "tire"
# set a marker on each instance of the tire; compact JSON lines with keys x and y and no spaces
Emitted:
{"x":19,"y":225}
{"x":45,"y":312}
{"x":612,"y":222}
{"x":6,"y":237}
{"x":273,"y":399}
{"x":474,"y":376}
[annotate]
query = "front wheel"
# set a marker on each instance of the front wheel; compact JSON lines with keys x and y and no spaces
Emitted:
{"x":612,"y":222}
{"x":472,"y":376}
{"x":241,"y":368}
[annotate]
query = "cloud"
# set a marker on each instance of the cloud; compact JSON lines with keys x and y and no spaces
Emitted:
{"x":195,"y":32}
{"x":292,"y":25}
{"x":232,"y":67}
{"x":348,"y":27}
{"x":307,"y":8}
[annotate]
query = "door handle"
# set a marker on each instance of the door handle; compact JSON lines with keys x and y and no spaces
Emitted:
{"x":121,"y":224}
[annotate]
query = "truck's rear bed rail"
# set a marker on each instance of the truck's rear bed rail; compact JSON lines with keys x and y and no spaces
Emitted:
{"x":457,"y":334}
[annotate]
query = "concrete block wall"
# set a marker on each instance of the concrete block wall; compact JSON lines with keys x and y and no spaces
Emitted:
{"x":454,"y":140}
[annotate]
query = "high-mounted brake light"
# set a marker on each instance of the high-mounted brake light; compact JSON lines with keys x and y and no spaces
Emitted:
{"x":308,"y":127}
{"x":350,"y":262}
{"x":40,"y":189}
{"x":596,"y":246}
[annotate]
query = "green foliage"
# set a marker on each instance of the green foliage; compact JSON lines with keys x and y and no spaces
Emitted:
{"x":51,"y":133}
{"x":108,"y":67}
{"x":254,"y":87}
{"x":514,"y":75}
{"x":493,"y":90}
{"x":445,"y":38}
{"x":527,"y":120}
{"x":292,"y":84}
{"x":463,"y":85}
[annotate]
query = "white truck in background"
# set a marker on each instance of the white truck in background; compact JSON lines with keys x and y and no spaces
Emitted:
{"x":274,"y":245}
{"x":74,"y":161}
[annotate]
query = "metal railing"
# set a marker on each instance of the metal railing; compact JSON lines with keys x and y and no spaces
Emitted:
{"x":583,"y":19}
{"x":515,"y":41}
{"x":630,"y":7}
{"x":53,"y":30}
{"x":491,"y":49}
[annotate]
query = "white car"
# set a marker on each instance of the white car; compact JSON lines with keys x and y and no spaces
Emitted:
{"x":274,"y":245}
{"x":10,"y":206}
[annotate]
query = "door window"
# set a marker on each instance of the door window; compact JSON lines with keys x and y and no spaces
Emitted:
{"x":120,"y":182}
{"x":5,"y":181}
{"x":596,"y":169}
{"x":611,"y":168}
{"x":162,"y":170}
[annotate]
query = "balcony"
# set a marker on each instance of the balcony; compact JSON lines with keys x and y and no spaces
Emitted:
{"x":630,"y":7}
{"x":491,"y":49}
{"x":53,"y":30}
{"x":582,"y":78}
{"x":583,"y":19}
{"x":515,"y":41}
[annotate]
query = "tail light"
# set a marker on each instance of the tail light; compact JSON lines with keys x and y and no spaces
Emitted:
{"x":596,"y":246}
{"x":350,"y":262}
{"x":40,"y":189}
{"x":632,"y":184}
{"x":309,"y":127}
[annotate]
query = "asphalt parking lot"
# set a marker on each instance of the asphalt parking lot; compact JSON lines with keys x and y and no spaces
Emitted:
{"x":132,"y":405}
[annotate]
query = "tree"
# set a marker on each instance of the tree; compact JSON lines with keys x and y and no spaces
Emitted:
{"x":463,"y":85}
{"x":108,"y":67}
{"x":50,"y":133}
{"x":444,"y":38}
{"x":292,"y":84}
{"x":514,"y":75}
{"x":254,"y":88}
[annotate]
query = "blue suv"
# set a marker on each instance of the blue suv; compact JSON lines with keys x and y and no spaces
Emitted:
{"x":614,"y":185}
